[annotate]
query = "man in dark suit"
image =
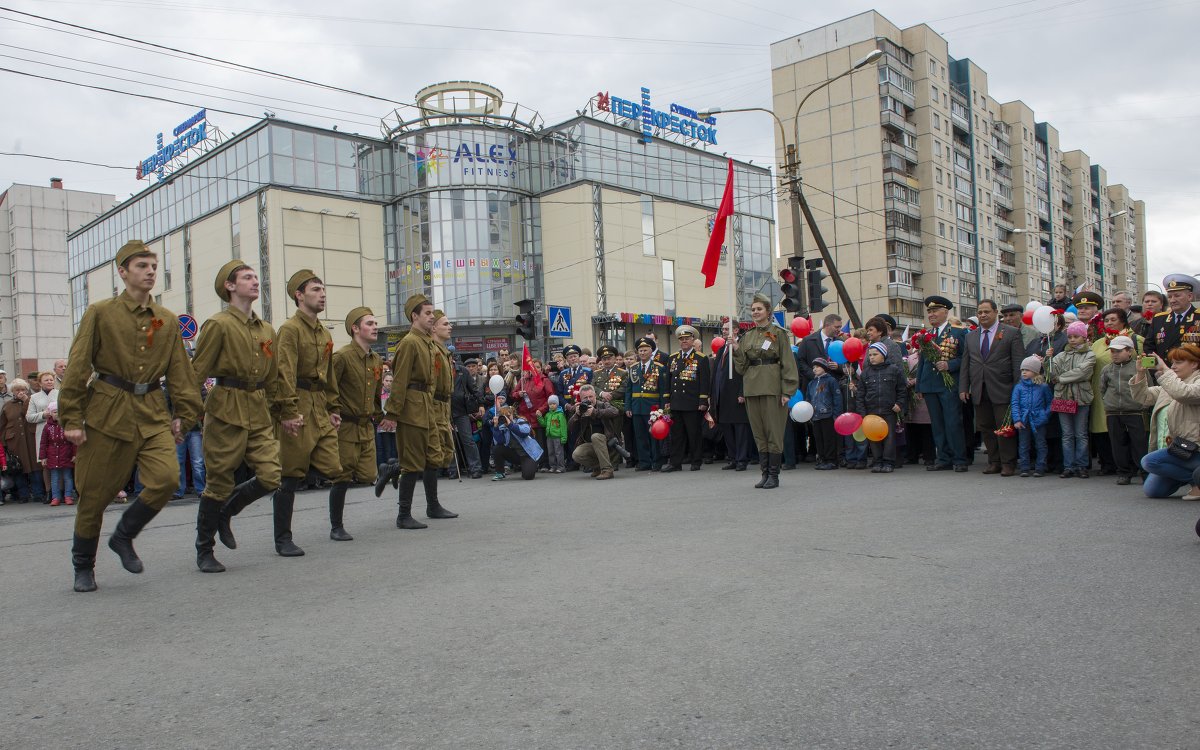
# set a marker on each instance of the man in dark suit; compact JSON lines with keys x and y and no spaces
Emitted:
{"x":991,"y":366}
{"x":816,"y":344}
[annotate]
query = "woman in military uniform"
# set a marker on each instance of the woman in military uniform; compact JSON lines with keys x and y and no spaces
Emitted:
{"x":763,"y":357}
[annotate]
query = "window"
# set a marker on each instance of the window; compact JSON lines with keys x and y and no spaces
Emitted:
{"x":942,"y":257}
{"x":965,"y":237}
{"x":668,"y":277}
{"x":648,"y":235}
{"x":941,"y":229}
{"x":890,"y":75}
{"x":937,"y":175}
{"x":937,"y":121}
{"x":900,"y":277}
{"x":934,"y":91}
{"x":962,"y":212}
{"x":966,"y":263}
{"x":941,"y":203}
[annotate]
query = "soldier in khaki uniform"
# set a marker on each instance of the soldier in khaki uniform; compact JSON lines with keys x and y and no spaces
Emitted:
{"x":307,"y":393}
{"x":443,"y":386}
{"x":237,"y":348}
{"x":359,"y":375}
{"x":121,"y":419}
{"x":763,"y":357}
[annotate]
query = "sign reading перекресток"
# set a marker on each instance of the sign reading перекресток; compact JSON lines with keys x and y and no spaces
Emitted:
{"x":680,"y":119}
{"x":187,"y":137}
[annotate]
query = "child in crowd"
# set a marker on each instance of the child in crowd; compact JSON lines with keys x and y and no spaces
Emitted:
{"x":554,"y":423}
{"x":918,"y":430}
{"x":1126,"y":423}
{"x":881,"y":392}
{"x":58,"y":454}
{"x":825,"y":395}
{"x":513,"y":444}
{"x":1071,"y":375}
{"x":1030,"y":409}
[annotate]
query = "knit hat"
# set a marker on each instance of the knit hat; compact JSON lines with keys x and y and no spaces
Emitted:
{"x":1078,"y":328}
{"x":823,"y":363}
{"x":1033,"y":364}
{"x":879,"y":348}
{"x":553,"y":400}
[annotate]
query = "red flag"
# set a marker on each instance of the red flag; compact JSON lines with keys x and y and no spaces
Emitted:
{"x":527,"y":365}
{"x":712,"y":257}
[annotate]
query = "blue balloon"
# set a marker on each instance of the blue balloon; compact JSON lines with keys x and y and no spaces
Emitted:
{"x":1073,"y":310}
{"x":796,"y":398}
{"x":835,"y":352}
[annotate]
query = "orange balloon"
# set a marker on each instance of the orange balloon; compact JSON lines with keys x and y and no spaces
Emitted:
{"x":875,"y":427}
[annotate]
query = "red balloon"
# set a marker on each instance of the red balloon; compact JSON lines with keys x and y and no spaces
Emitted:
{"x":847,"y":423}
{"x":717,"y":343}
{"x":853,"y":349}
{"x":1027,"y":317}
{"x":659,"y":430}
{"x":801,"y":327}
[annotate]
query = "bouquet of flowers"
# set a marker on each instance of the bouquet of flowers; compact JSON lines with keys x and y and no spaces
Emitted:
{"x":1006,"y":428}
{"x":658,"y":413}
{"x":933,"y":351}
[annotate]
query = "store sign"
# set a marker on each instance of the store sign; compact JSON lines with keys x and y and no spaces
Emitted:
{"x":188,"y":134}
{"x":679,"y":119}
{"x":469,"y":343}
{"x":496,"y":344}
{"x":474,"y":158}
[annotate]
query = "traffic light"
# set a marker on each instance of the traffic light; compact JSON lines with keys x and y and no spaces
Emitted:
{"x":793,"y":293}
{"x":526,"y":325}
{"x":816,"y":292}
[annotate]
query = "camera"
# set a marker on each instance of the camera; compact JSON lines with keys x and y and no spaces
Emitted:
{"x":1148,"y":362}
{"x":615,"y":444}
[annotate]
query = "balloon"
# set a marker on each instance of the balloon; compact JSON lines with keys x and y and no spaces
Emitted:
{"x":1027,"y":317}
{"x":802,"y":411}
{"x":874,"y":427}
{"x":659,"y":430}
{"x":835,"y":352}
{"x":496,"y":385}
{"x":796,"y":398}
{"x":847,"y":424}
{"x":853,"y":349}
{"x":1033,"y":305}
{"x":858,"y":436}
{"x":717,"y":343}
{"x":1073,"y":310}
{"x":801,"y":327}
{"x":1043,"y":319}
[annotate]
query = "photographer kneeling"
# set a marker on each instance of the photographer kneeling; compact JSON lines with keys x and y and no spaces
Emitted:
{"x":512,"y":444}
{"x":1174,"y":421}
{"x":595,"y":422}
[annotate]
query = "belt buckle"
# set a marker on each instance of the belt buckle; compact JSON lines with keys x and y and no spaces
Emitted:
{"x":141,"y":389}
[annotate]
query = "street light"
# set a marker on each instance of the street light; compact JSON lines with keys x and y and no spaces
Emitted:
{"x":792,"y":167}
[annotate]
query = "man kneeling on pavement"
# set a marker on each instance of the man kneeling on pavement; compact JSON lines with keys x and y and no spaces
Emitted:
{"x":595,"y":421}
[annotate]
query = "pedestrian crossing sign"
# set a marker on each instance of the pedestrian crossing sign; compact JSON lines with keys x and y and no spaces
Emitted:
{"x":560,"y":321}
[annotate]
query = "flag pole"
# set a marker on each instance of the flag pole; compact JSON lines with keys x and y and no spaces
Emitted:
{"x":732,"y":289}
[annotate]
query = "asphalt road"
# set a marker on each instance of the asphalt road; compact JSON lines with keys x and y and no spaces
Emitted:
{"x":845,"y":610}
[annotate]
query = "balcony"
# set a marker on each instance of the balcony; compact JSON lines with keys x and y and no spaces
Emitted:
{"x":1002,"y":131}
{"x":1002,"y":197}
{"x":890,"y":119}
{"x":904,"y":207}
{"x":1007,"y":258}
{"x":899,"y":94}
{"x":903,"y":235}
{"x":899,"y":149}
{"x":900,"y":178}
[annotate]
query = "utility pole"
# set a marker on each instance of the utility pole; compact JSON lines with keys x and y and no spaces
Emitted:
{"x":843,"y":294}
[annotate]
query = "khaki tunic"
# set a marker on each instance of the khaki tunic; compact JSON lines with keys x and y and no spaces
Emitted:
{"x":141,"y":345}
{"x":411,"y":403}
{"x":765,"y":361}
{"x":237,"y":423}
{"x":443,"y":385}
{"x":359,"y":377}
{"x":305,"y":352}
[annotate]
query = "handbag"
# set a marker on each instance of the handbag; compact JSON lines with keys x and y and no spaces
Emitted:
{"x":1064,"y":406}
{"x":14,"y":464}
{"x":1183,"y":449}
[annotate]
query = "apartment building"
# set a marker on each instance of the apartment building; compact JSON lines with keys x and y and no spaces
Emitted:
{"x":922,"y":183}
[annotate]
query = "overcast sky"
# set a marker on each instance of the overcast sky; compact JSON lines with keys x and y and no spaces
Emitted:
{"x":1114,"y":77}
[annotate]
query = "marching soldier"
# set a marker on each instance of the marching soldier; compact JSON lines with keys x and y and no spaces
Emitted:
{"x":689,"y":371}
{"x":763,"y":357}
{"x":236,"y":348}
{"x":1180,"y":322}
{"x":358,"y":372}
{"x":121,"y":420}
{"x":441,"y":442}
{"x":648,"y":388}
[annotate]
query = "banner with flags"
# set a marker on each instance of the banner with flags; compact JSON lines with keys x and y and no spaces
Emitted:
{"x":712,"y":256}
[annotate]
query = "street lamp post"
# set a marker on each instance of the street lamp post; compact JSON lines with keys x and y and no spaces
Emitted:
{"x":799,"y":203}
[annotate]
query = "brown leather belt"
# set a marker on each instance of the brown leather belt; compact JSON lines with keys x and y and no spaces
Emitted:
{"x":418,"y":387}
{"x":137,"y":389}
{"x":443,"y":399}
{"x":354,"y":419}
{"x":241,"y":385}
{"x":309,"y":385}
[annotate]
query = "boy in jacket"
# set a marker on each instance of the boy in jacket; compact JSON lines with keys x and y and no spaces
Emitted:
{"x":1126,"y":423}
{"x":1030,"y":411}
{"x":882,"y":392}
{"x":554,"y":423}
{"x":825,"y":395}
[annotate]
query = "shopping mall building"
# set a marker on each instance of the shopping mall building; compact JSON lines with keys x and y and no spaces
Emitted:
{"x":602,"y":220}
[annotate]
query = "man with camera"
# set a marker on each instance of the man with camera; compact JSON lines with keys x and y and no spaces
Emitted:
{"x":594,"y":420}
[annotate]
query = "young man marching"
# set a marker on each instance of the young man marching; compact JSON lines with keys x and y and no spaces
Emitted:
{"x":121,"y":420}
{"x":236,"y":348}
{"x":358,"y":372}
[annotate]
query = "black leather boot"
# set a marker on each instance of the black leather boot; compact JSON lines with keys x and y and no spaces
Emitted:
{"x":284,"y":502}
{"x":242,"y":495}
{"x":337,"y":503}
{"x":133,"y":520}
{"x":207,"y":518}
{"x":83,"y":558}
{"x":773,"y":464}
{"x":433,"y":509}
{"x":408,"y":485}
{"x":763,"y":463}
{"x":388,"y":473}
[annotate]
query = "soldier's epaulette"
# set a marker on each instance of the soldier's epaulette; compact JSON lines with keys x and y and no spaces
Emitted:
{"x":1164,"y":312}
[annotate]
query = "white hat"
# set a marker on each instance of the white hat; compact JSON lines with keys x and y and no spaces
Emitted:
{"x":1033,"y":364}
{"x":1121,"y":342}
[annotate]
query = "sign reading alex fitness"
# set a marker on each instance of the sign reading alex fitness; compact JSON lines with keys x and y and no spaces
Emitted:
{"x":188,"y":134}
{"x":680,"y":119}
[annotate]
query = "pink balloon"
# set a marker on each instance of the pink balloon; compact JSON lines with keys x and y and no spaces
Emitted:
{"x":717,"y":343}
{"x":801,"y":327}
{"x":853,"y":349}
{"x":847,"y":423}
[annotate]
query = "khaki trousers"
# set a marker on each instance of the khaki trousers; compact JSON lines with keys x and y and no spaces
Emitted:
{"x":768,"y":419}
{"x":226,"y":446}
{"x":104,"y":464}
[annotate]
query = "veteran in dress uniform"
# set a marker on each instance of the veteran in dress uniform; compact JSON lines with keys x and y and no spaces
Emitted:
{"x":236,"y":348}
{"x":572,"y":376}
{"x":1180,"y":322}
{"x":358,"y":372}
{"x":1087,"y":307}
{"x":121,"y":419}
{"x":647,"y":389}
{"x":763,"y":357}
{"x":942,"y":398}
{"x":610,"y":379}
{"x":690,"y":379}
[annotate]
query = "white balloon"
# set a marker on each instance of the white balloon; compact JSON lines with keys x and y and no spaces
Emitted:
{"x":1043,"y":319}
{"x":496,"y":385}
{"x":1033,"y":305}
{"x":802,"y":411}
